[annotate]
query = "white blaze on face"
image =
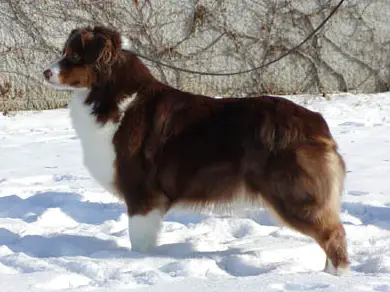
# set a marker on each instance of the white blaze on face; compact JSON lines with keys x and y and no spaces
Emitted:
{"x":52,"y":76}
{"x":55,"y":70}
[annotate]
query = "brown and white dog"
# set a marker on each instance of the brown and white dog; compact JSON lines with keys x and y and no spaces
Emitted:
{"x":156,"y":147}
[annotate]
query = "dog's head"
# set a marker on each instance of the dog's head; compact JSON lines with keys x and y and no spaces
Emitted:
{"x":87,"y":58}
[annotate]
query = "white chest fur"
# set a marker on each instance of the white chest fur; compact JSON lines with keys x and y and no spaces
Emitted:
{"x":96,"y":140}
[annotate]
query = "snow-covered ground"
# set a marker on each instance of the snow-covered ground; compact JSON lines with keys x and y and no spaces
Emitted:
{"x":60,"y":231}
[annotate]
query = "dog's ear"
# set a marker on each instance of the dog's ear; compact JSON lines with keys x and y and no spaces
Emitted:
{"x":73,"y":32}
{"x":103,"y":47}
{"x":70,"y":36}
{"x":96,"y":50}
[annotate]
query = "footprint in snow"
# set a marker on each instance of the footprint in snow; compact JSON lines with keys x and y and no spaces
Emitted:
{"x":354,"y":124}
{"x":358,"y":193}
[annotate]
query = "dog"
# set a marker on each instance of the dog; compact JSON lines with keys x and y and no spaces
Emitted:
{"x":156,"y":147}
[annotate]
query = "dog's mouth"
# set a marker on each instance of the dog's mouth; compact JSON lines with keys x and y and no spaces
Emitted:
{"x":57,"y":86}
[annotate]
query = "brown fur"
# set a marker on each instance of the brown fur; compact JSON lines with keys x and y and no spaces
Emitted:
{"x":78,"y":77}
{"x":174,"y":147}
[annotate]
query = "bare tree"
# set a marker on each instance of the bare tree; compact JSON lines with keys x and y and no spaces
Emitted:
{"x":350,"y":53}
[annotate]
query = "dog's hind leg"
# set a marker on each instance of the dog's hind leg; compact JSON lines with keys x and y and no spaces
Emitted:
{"x":306,"y":196}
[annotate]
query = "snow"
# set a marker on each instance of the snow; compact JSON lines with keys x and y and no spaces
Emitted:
{"x":59,"y":230}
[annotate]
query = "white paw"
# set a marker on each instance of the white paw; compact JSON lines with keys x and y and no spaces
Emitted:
{"x":140,"y":247}
{"x":141,"y":242}
{"x":330,"y":269}
{"x":143,"y":231}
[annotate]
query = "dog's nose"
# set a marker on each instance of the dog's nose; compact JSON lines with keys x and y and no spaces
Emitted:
{"x":47,"y":73}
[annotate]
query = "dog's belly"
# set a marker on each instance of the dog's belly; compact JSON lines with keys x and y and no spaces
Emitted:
{"x":96,"y":141}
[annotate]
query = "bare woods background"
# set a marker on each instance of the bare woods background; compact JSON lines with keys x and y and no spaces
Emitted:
{"x":352,"y":52}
